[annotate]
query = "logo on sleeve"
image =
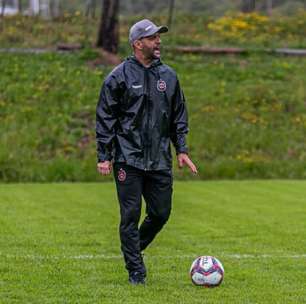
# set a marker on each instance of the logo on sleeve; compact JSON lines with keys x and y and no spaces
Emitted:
{"x":121,"y":175}
{"x":161,"y":85}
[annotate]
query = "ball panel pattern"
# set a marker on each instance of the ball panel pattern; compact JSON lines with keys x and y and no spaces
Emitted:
{"x":206,"y":271}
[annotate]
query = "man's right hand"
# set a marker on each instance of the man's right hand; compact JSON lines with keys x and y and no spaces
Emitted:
{"x":105,"y":167}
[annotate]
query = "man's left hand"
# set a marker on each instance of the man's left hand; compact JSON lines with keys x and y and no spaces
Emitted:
{"x":183,"y":159}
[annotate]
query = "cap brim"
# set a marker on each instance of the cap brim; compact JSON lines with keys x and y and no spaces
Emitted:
{"x":162,"y":29}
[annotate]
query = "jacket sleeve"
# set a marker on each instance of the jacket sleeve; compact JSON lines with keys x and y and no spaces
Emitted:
{"x":179,"y":121}
{"x":106,"y":118}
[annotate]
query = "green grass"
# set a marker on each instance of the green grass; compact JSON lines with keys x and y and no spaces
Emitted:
{"x":247,"y":116}
{"x":59,"y":244}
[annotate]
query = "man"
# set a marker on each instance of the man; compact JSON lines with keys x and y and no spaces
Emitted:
{"x":141,"y":109}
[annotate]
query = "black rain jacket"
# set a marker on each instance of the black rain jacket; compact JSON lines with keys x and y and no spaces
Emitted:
{"x":140,"y":111}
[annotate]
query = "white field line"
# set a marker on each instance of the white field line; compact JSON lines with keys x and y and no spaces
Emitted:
{"x":163,"y":257}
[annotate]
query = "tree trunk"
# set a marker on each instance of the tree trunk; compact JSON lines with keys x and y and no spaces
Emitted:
{"x":269,"y":7}
{"x":34,"y":7}
{"x":87,"y":8}
{"x":93,"y":8}
{"x":3,"y":7}
{"x":45,"y":8}
{"x":248,"y":6}
{"x":55,"y":8}
{"x":90,"y":8}
{"x":171,"y":8}
{"x":129,"y":6}
{"x":108,"y":37}
{"x":19,"y":4}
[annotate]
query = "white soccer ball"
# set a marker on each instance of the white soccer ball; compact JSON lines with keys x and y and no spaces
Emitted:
{"x":206,"y":271}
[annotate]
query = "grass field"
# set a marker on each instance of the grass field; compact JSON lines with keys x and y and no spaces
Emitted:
{"x":247,"y":116}
{"x":59,"y":244}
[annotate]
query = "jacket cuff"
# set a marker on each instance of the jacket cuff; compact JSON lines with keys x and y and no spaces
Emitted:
{"x":181,"y":146}
{"x":102,"y":158}
{"x":182,"y":150}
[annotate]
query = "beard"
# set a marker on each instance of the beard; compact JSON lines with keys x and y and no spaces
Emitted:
{"x":156,"y":53}
{"x":152,"y":53}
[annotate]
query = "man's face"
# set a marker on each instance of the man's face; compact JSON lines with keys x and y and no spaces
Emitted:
{"x":151,"y":46}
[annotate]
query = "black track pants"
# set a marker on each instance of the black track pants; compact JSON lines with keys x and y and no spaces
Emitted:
{"x":156,"y":188}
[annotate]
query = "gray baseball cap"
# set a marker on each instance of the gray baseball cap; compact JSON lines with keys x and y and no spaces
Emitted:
{"x":145,"y":28}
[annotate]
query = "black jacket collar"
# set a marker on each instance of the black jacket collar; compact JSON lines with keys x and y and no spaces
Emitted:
{"x":155,"y":62}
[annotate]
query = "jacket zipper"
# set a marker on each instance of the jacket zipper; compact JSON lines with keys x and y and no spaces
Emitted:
{"x":147,"y":109}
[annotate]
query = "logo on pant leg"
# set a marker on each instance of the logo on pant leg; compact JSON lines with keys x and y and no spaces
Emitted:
{"x":121,"y":175}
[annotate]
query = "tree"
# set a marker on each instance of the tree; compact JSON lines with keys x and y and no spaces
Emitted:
{"x":269,"y":7}
{"x":55,"y":8}
{"x":19,"y":3}
{"x":34,"y":7}
{"x":108,"y":36}
{"x":248,"y":6}
{"x":90,"y":8}
{"x":3,"y":5}
{"x":171,"y":8}
{"x":44,"y":8}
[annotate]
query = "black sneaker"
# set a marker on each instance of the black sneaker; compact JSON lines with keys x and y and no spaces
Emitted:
{"x":137,"y":278}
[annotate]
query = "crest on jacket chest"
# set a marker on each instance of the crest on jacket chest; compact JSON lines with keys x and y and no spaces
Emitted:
{"x":161,"y":85}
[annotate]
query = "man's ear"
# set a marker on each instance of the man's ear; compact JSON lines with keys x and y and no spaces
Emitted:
{"x":138,"y":45}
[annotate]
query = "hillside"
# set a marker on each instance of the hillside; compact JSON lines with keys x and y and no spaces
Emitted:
{"x":247,"y":116}
{"x":247,"y":113}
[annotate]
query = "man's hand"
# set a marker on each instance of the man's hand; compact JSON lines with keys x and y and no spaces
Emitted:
{"x":183,"y":159}
{"x":105,"y":167}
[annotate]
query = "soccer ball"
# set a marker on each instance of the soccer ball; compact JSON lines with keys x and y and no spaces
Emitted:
{"x":206,"y":271}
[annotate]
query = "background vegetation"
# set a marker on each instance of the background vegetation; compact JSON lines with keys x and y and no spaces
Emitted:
{"x":247,"y":113}
{"x":232,"y":29}
{"x":198,"y":7}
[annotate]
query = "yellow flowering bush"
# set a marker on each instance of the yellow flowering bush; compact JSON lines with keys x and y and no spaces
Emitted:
{"x":258,"y":29}
{"x":239,"y":26}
